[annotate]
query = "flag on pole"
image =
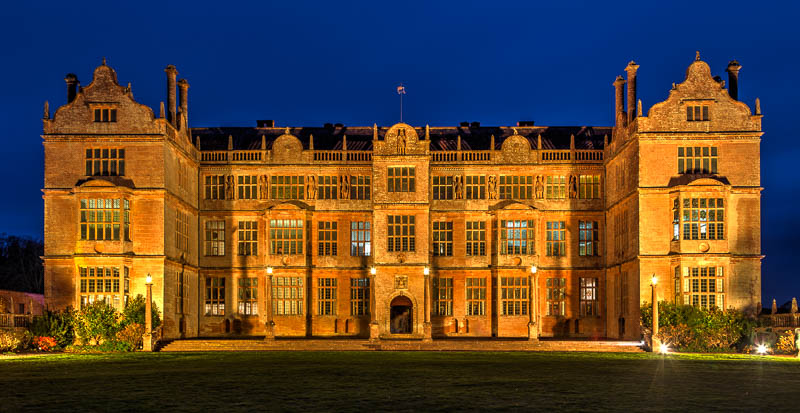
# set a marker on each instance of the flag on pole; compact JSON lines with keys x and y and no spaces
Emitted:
{"x":401,"y":90}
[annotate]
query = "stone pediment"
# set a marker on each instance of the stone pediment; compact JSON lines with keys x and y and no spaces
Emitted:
{"x":512,"y":205}
{"x":287,"y":148}
{"x":290,"y":206}
{"x":402,"y":139}
{"x":699,"y":88}
{"x":698,"y":180}
{"x":105,"y":182}
{"x":516,"y":148}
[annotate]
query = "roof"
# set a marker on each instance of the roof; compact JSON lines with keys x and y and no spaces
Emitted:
{"x":359,"y":138}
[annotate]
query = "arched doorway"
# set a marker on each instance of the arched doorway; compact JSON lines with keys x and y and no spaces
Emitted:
{"x":401,"y":315}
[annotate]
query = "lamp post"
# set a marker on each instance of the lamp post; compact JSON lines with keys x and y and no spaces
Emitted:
{"x":269,"y":331}
{"x":374,"y":327}
{"x":426,"y":325}
{"x":532,"y":285}
{"x":147,"y":343}
{"x":655,"y":344}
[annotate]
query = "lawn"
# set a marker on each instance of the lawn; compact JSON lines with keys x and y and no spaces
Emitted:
{"x":397,"y":381}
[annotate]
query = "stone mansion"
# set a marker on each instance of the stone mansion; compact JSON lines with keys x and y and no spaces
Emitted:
{"x":417,"y":232}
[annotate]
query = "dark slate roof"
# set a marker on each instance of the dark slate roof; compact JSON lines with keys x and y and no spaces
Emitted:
{"x":359,"y":138}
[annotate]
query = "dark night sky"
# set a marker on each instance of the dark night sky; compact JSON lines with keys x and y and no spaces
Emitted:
{"x":308,"y":63}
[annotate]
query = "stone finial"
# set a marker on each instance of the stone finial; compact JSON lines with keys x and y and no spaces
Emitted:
{"x":539,"y":142}
{"x":161,"y":112}
{"x":374,"y":131}
{"x":794,"y":305}
{"x":46,"y":110}
{"x":491,"y":143}
{"x":104,"y":60}
{"x":230,"y":142}
{"x":344,"y":142}
{"x":639,"y":108}
{"x":427,"y":132}
{"x":674,"y":86}
{"x":311,"y":142}
{"x":263,"y":143}
{"x":697,"y":55}
{"x":286,"y":131}
{"x":605,"y":140}
{"x":572,"y":141}
{"x":758,"y":106}
{"x":774,"y":306}
{"x":197,"y":138}
{"x":515,"y":131}
{"x":458,"y":142}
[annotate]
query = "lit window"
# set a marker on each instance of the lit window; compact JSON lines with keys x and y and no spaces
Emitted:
{"x":703,"y":287}
{"x":443,"y":238}
{"x":248,"y":296}
{"x":105,"y":219}
{"x":588,"y":297}
{"x":703,"y":218}
{"x":556,"y":296}
{"x":516,"y":237}
{"x":287,"y":295}
{"x":476,"y":296}
{"x":556,"y":187}
{"x":556,"y":238}
{"x":589,"y":187}
{"x":286,"y":236}
{"x":588,"y":240}
{"x":101,"y":284}
{"x":401,"y":233}
{"x":360,"y":242}
{"x":443,"y":296}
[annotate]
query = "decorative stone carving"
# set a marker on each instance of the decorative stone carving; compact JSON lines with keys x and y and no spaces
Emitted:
{"x":262,"y":187}
{"x":230,"y":188}
{"x":573,"y":187}
{"x":311,"y":187}
{"x":516,"y":149}
{"x":539,"y":188}
{"x":401,"y":139}
{"x":492,"y":187}
{"x":344,"y":187}
{"x":458,"y":187}
{"x":286,"y":148}
{"x":400,"y":282}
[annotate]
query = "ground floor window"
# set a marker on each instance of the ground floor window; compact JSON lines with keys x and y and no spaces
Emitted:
{"x":443,"y":296}
{"x":556,"y":296}
{"x":703,"y":287}
{"x":102,"y":284}
{"x":476,"y":296}
{"x":588,"y":297}
{"x":287,"y":295}
{"x":359,"y":296}
{"x":326,"y":296}
{"x":248,"y":296}
{"x":514,"y":295}
{"x":215,"y":296}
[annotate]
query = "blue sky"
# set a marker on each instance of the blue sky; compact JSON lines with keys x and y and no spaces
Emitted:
{"x":309,"y":63}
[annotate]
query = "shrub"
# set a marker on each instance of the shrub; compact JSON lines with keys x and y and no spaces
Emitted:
{"x":15,"y":340}
{"x":135,"y":312}
{"x":131,"y":335}
{"x":97,"y":322}
{"x":786,"y":343}
{"x":45,"y":343}
{"x":688,"y":328}
{"x":55,"y":324}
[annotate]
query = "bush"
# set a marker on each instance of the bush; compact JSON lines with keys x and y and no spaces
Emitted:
{"x":135,"y":312}
{"x":97,"y":322}
{"x":55,"y":324}
{"x":786,"y":343}
{"x":15,"y":340}
{"x":693,"y":329}
{"x":45,"y":343}
{"x":131,"y":335}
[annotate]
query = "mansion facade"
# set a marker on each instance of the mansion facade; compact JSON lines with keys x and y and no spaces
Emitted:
{"x":401,"y":231}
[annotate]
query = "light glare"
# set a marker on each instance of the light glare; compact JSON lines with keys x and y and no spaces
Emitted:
{"x":762,"y":349}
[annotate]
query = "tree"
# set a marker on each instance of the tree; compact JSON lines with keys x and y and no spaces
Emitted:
{"x":21,"y":267}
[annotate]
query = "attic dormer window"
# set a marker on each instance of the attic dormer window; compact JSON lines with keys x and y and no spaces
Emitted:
{"x":105,"y":115}
{"x":697,"y":113}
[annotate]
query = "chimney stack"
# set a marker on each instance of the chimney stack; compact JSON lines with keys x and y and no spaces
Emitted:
{"x":172,"y":73}
{"x":183,"y":96}
{"x":733,"y":79}
{"x":631,"y":69}
{"x":619,"y":100}
{"x":72,"y":86}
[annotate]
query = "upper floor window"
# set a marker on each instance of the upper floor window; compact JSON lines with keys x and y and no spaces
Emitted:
{"x":215,"y":187}
{"x":588,"y":239}
{"x":215,"y":238}
{"x":516,"y":237}
{"x":556,"y":238}
{"x":328,"y":187}
{"x":476,"y":238}
{"x":476,"y":186}
{"x":360,"y":240}
{"x":443,"y":238}
{"x":401,"y":179}
{"x":360,"y":187}
{"x":105,"y":162}
{"x":248,"y":237}
{"x":695,"y":113}
{"x":442,"y":187}
{"x":401,"y":233}
{"x":105,"y":115}
{"x":697,"y":160}
{"x":516,"y":187}
{"x":287,"y":187}
{"x":286,"y":236}
{"x":105,"y":219}
{"x":589,"y":187}
{"x":181,"y":231}
{"x":248,"y":186}
{"x":326,"y":238}
{"x":703,"y":218}
{"x":556,"y":187}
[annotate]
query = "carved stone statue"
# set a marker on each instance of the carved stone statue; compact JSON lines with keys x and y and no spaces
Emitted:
{"x":230,"y":188}
{"x":311,"y":187}
{"x":344,"y":187}
{"x":401,"y":141}
{"x":262,"y":187}
{"x":573,"y":187}
{"x":539,"y":187}
{"x":458,"y":187}
{"x":492,"y":187}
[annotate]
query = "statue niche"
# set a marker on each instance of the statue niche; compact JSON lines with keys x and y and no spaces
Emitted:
{"x":458,"y":187}
{"x":344,"y":187}
{"x":311,"y":187}
{"x":573,"y":187}
{"x":230,"y":188}
{"x":539,"y":187}
{"x":401,"y":139}
{"x":262,"y":187}
{"x":492,"y":187}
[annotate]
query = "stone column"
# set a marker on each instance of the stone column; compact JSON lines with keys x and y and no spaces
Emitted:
{"x":426,"y":325}
{"x":270,"y":324}
{"x":497,"y":301}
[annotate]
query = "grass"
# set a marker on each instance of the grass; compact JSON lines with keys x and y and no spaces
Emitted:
{"x":397,"y":381}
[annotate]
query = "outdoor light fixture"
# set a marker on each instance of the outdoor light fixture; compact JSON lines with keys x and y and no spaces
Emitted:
{"x":148,"y":279}
{"x":654,"y":280}
{"x":533,"y":269}
{"x":664,"y":348}
{"x":426,"y":270}
{"x":762,"y":349}
{"x":373,"y":270}
{"x":269,"y":270}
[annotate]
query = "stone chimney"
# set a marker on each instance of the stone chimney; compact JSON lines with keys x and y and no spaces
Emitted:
{"x":733,"y":78}
{"x":631,"y":69}
{"x":172,"y":73}
{"x":183,"y":96}
{"x":619,"y":100}
{"x":72,"y":86}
